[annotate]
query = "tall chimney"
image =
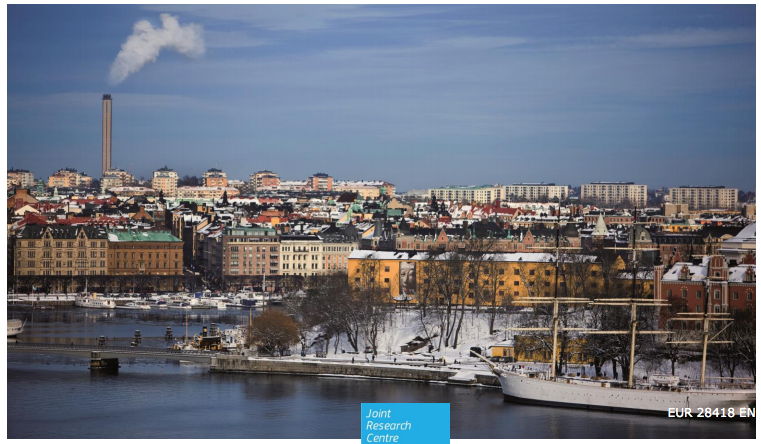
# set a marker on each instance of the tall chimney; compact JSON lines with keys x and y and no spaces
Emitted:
{"x":106,"y":132}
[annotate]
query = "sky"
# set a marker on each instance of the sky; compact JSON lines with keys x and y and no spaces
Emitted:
{"x":420,"y":96}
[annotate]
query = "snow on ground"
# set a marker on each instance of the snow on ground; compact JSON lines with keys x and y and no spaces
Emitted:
{"x":405,"y":325}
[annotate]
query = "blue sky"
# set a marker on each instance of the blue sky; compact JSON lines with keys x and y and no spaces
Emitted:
{"x":421,"y":96}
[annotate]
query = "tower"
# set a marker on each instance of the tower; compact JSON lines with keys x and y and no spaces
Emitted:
{"x":106,"y":132}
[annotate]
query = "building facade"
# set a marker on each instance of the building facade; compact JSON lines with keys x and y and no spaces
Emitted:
{"x":116,"y":177}
{"x":61,"y":250}
{"x":165,"y":180}
{"x":709,"y":284}
{"x":20,"y":179}
{"x":134,"y":253}
{"x":705,"y":198}
{"x":69,"y":178}
{"x":206,"y":192}
{"x":264,"y":179}
{"x":483,"y":194}
{"x":215,"y":178}
{"x":535,"y":192}
{"x":614,"y":193}
{"x":250,"y":252}
{"x":320,"y":182}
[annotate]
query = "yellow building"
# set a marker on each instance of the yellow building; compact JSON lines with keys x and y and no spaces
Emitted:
{"x":528,"y":349}
{"x":503,"y":277}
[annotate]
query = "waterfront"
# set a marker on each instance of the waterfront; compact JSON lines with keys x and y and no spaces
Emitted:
{"x":57,"y":397}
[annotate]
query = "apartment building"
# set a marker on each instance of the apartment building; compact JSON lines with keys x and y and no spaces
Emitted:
{"x":20,"y":179}
{"x":485,"y":194}
{"x":69,"y":178}
{"x":206,"y":192}
{"x":614,"y":193}
{"x":263,"y":179}
{"x":705,"y":198}
{"x":165,"y":180}
{"x":533,"y":192}
{"x":250,"y":251}
{"x":215,"y":178}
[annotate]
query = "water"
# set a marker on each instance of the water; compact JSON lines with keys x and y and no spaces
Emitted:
{"x":58,"y":397}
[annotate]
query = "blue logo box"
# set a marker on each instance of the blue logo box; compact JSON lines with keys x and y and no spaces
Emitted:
{"x":405,"y":423}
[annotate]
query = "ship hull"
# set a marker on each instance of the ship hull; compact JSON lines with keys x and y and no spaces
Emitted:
{"x":523,"y":389}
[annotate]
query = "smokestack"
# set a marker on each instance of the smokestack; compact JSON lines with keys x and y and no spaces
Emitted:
{"x":106,"y":132}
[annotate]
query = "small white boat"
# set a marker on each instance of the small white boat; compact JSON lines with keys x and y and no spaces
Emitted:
{"x":664,"y":380}
{"x":136,"y":305}
{"x":94,"y":302}
{"x":15,"y":327}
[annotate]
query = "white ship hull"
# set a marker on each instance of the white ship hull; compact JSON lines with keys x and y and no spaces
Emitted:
{"x":591,"y":394}
{"x":15,"y":327}
{"x":87,"y":302}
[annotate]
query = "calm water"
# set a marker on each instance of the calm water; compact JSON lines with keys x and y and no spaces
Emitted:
{"x":57,"y":397}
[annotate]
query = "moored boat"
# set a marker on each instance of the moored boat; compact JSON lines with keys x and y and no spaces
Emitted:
{"x":87,"y":301}
{"x":15,"y":327}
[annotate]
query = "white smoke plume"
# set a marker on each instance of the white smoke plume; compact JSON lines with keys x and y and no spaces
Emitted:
{"x":146,"y":42}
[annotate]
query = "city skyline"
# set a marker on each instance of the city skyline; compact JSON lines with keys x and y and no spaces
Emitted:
{"x":421,"y":97}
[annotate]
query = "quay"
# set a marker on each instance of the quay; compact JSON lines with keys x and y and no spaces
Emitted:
{"x":403,"y":371}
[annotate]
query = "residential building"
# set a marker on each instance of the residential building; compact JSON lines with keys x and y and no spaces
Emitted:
{"x":250,"y":251}
{"x":485,"y":194}
{"x":535,"y":192}
{"x":300,"y":255}
{"x":20,"y":179}
{"x":61,"y":250}
{"x":264,"y":179}
{"x":215,"y":178}
{"x":69,"y":178}
{"x":366,"y":189}
{"x":320,"y":182}
{"x":705,"y":198}
{"x":165,"y":180}
{"x":116,"y":177}
{"x":135,"y":252}
{"x":206,"y":192}
{"x":615,"y":193}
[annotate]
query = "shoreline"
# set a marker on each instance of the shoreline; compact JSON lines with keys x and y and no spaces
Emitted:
{"x":396,"y":372}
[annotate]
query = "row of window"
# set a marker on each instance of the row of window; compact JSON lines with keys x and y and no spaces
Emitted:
{"x":716,"y":294}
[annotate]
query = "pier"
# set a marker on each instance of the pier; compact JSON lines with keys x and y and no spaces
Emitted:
{"x":107,"y":357}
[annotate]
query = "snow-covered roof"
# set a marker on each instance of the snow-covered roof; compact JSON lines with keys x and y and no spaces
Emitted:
{"x":419,"y":256}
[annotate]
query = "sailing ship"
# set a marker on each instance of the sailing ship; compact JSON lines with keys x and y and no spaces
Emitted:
{"x":654,"y":396}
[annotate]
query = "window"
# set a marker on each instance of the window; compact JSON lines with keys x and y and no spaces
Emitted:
{"x":388,"y":269}
{"x":515,"y":293}
{"x":735,"y":296}
{"x":594,"y":273}
{"x":668,"y":293}
{"x":697,"y":309}
{"x":684,"y":294}
{"x":716,"y":294}
{"x":531,"y":272}
{"x":698,"y":294}
{"x":516,"y":283}
{"x":750,"y":296}
{"x":717,"y":308}
{"x":385,"y":279}
{"x":515,"y":271}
